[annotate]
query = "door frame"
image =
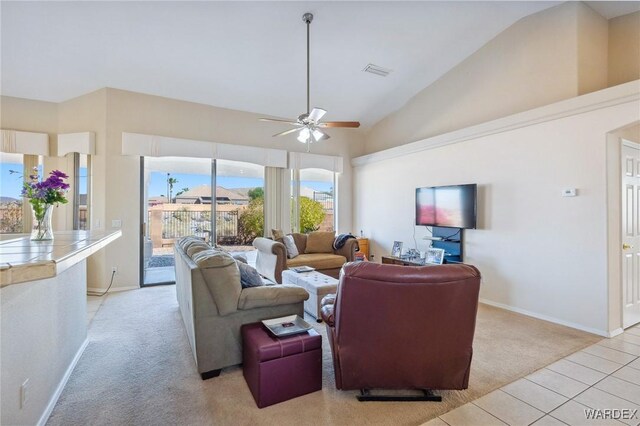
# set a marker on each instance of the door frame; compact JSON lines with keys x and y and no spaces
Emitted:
{"x":613,"y":215}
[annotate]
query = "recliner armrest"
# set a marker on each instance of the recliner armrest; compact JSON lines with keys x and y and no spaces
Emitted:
{"x":327,"y":315}
{"x":258,"y":297}
{"x":348,"y":250}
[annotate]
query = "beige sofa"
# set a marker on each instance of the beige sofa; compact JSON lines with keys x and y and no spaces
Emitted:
{"x":214,"y":305}
{"x":272,"y":257}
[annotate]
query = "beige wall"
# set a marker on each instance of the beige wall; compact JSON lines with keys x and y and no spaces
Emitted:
{"x":139,"y":113}
{"x":115,"y":178}
{"x":556,"y":54}
{"x":593,"y":43}
{"x":539,"y":253}
{"x":624,"y":49}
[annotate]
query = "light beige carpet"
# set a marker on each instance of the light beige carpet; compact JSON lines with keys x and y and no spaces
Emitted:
{"x":138,"y":370}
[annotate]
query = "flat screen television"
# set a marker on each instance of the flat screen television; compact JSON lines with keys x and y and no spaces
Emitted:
{"x":451,"y":206}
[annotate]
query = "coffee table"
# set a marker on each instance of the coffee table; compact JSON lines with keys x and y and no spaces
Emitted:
{"x":317,"y":285}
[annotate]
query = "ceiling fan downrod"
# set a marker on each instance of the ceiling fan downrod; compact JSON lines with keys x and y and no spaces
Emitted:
{"x":307,"y":18}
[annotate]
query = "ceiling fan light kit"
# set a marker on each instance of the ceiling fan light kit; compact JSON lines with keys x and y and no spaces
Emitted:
{"x":308,"y":125}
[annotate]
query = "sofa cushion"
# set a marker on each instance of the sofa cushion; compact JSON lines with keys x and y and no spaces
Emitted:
{"x":320,"y":242}
{"x":277,"y":234}
{"x":274,"y":295}
{"x":290,"y":245}
{"x":197,"y":247}
{"x":249,"y":277}
{"x":318,"y":261}
{"x":182,"y":242}
{"x":221,"y":274}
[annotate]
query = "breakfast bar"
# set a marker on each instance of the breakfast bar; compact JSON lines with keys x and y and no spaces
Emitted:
{"x":43,"y":327}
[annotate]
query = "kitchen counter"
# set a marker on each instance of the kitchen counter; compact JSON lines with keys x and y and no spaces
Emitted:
{"x":23,"y":260}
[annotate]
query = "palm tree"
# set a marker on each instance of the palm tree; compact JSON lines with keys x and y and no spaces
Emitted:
{"x":170,"y":182}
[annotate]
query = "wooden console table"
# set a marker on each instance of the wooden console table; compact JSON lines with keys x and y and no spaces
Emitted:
{"x":363,"y":243}
{"x":392,"y":260}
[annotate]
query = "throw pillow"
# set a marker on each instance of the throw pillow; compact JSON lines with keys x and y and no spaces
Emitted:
{"x":240,"y":258}
{"x":292,"y":250}
{"x":320,"y":242}
{"x":277,"y":234}
{"x":249,"y":277}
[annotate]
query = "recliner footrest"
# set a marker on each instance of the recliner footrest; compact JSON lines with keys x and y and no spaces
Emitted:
{"x":428,"y":395}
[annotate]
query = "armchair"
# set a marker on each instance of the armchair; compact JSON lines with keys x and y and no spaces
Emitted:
{"x":272,"y":257}
{"x":399,"y":327}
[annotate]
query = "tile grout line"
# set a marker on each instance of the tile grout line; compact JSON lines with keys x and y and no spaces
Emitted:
{"x":492,"y":415}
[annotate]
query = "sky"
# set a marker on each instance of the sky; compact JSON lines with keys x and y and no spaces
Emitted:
{"x":11,"y":184}
{"x":158,"y":183}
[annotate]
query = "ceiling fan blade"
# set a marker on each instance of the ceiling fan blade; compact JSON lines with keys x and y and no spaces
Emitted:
{"x":319,"y":135}
{"x":316,"y":114}
{"x":286,"y":132}
{"x":353,"y":124}
{"x":275,"y":120}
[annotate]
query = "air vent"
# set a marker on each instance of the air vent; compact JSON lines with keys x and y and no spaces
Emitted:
{"x":377,"y":70}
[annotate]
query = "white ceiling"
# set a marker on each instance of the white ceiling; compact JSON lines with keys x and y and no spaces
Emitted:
{"x":247,"y":56}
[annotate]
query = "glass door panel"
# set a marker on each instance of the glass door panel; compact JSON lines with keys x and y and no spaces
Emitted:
{"x":177,"y":200}
{"x":316,"y":200}
{"x":239,"y":206}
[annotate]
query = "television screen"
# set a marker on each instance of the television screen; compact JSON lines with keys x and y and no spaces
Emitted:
{"x":447,"y":206}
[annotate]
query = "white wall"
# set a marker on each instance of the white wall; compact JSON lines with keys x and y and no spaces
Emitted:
{"x":538,"y":252}
{"x":53,"y":314}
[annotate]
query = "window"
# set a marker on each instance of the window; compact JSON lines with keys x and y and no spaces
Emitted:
{"x":313,"y":192}
{"x":81,"y":198}
{"x":14,"y":168}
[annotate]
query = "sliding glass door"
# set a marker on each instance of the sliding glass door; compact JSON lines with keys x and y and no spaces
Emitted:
{"x":239,"y":206}
{"x":176,"y":202}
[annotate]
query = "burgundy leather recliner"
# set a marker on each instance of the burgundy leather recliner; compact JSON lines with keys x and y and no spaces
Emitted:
{"x":402,"y":327}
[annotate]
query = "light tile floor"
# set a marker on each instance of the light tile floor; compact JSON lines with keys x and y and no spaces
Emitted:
{"x":604,"y":376}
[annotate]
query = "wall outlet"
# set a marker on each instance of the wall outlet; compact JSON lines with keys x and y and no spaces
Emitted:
{"x":114,"y":269}
{"x":569,"y":192}
{"x":116,"y":223}
{"x":24,"y":394}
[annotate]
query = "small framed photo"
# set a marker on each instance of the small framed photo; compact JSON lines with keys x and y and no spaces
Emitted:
{"x":435,"y":256}
{"x":396,"y":251}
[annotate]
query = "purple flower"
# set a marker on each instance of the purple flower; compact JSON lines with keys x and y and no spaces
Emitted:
{"x":58,"y":174}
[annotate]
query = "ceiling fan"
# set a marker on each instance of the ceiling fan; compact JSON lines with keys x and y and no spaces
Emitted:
{"x":308,"y":125}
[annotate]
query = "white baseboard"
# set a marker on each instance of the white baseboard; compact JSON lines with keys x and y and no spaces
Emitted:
{"x":111,"y":290}
{"x":547,"y":318}
{"x":616,"y":332}
{"x":62,"y":384}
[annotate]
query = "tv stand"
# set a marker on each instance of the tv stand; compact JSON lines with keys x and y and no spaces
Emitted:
{"x":451,"y":241}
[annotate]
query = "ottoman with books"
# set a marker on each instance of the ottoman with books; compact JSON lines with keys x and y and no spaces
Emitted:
{"x":280,"y":368}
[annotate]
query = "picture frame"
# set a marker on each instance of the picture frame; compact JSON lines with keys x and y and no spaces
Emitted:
{"x":396,"y":251}
{"x":435,"y":256}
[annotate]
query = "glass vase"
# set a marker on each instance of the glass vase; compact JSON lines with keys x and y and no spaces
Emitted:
{"x":42,"y":230}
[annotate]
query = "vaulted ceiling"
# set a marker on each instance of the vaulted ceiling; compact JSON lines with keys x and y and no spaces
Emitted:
{"x":247,"y":56}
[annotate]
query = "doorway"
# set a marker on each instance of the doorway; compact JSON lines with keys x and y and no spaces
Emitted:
{"x":176,"y":202}
{"x":630,"y":210}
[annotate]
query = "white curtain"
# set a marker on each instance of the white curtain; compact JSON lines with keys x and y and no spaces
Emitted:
{"x":15,"y":142}
{"x":161,"y":146}
{"x":277,"y":207}
{"x":303,"y":160}
{"x":82,"y":143}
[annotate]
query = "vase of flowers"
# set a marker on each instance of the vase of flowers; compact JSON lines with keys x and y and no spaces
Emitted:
{"x":43,"y":195}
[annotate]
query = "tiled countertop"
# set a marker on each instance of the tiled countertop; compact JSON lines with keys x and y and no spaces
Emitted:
{"x":23,"y":260}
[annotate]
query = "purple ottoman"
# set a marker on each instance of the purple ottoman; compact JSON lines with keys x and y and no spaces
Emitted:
{"x":278,"y":369}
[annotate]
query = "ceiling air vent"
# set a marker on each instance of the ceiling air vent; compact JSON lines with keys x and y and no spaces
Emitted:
{"x":377,"y":70}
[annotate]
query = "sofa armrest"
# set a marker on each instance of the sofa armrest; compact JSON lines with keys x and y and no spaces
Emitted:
{"x":348,"y":250}
{"x":258,"y":297}
{"x":327,"y":315}
{"x":271,"y":259}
